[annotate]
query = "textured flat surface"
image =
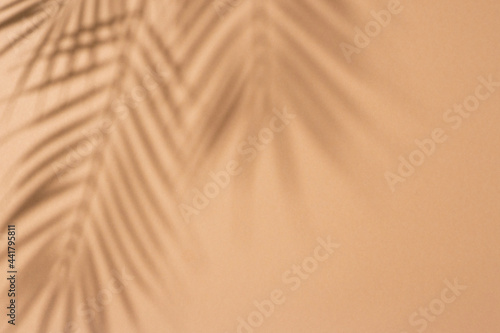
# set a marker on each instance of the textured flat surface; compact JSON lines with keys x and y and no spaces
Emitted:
{"x":280,"y":166}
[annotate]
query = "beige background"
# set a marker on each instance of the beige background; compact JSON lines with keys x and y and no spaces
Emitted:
{"x":322,"y":176}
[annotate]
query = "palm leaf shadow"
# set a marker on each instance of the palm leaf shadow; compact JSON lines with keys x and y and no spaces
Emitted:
{"x":120,"y":202}
{"x":36,"y":188}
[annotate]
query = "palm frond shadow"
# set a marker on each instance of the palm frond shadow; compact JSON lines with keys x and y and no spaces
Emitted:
{"x":117,"y":208}
{"x":37,"y":187}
